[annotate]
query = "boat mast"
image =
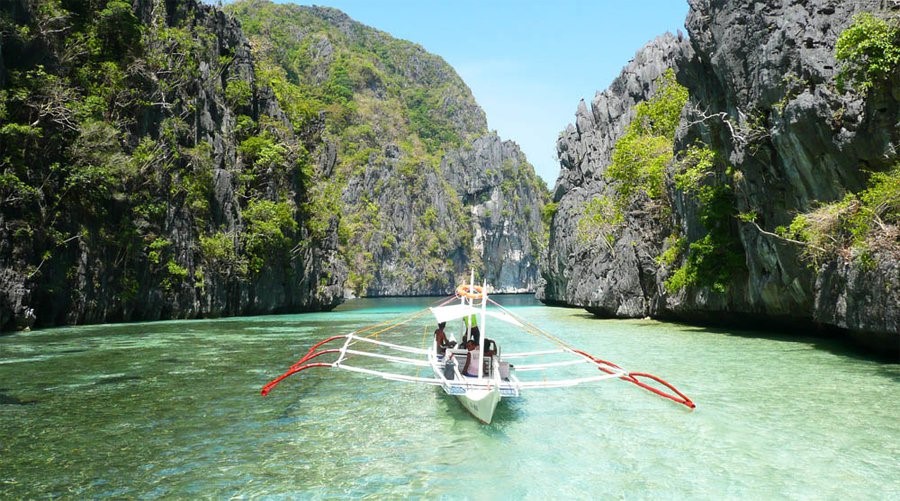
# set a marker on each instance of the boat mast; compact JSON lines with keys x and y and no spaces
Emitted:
{"x":471,"y":303}
{"x":483,"y":329}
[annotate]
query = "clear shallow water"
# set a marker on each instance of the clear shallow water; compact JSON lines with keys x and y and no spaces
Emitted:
{"x":172,"y":409}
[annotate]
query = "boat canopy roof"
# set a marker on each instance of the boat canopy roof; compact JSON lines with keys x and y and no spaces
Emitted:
{"x":457,"y":311}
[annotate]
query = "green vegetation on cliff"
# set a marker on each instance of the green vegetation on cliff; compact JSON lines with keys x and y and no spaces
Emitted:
{"x":141,"y":172}
{"x":866,"y":221}
{"x":714,"y":260}
{"x":391,"y":112}
{"x":639,"y":160}
{"x":855,"y":226}
{"x":154,"y":164}
{"x":94,"y":146}
{"x":869,"y":50}
{"x":641,"y":155}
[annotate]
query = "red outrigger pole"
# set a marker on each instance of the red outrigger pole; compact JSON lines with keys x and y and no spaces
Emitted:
{"x":631,"y":377}
{"x":303,"y":364}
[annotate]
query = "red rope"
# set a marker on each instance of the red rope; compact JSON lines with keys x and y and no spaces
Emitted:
{"x":309,"y":354}
{"x":599,"y":361}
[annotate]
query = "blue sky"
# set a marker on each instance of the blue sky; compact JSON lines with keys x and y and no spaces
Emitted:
{"x":528,"y":62}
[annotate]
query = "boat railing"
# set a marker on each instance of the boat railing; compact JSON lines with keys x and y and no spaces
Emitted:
{"x":526,"y":354}
{"x":353,"y":338}
{"x":390,"y":358}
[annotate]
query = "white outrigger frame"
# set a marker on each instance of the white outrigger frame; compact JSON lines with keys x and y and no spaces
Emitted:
{"x":480,"y":395}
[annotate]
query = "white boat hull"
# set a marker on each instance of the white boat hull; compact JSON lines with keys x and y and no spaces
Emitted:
{"x":481,"y":403}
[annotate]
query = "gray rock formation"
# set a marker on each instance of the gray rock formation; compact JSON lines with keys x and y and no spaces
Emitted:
{"x":110,"y":270}
{"x":437,"y":195}
{"x":618,"y":281}
{"x":761,"y":80}
{"x":479,"y":210}
{"x":197,"y":233}
{"x":504,"y":198}
{"x":308,"y":279}
{"x":770,"y":67}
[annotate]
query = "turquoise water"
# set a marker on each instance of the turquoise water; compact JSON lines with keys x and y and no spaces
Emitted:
{"x":172,"y":409}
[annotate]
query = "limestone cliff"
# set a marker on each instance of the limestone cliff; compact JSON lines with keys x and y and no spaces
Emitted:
{"x":504,"y":198}
{"x":763,"y":99}
{"x":160,"y":160}
{"x":617,"y":281}
{"x":127,"y":192}
{"x":425,"y":192}
{"x":770,"y":67}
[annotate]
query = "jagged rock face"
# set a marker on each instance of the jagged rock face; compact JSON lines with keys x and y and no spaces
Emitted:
{"x":90,"y":278}
{"x":426,"y":193}
{"x":200,"y":230}
{"x":312,"y":277}
{"x":795,"y":140}
{"x":415,"y":243}
{"x":504,"y":200}
{"x":479,"y":210}
{"x":617,"y":281}
{"x":774,"y":64}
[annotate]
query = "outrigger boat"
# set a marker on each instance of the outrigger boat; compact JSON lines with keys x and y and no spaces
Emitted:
{"x":499,"y":376}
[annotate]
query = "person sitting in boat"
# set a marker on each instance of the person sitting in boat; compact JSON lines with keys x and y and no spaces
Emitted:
{"x":471,"y":324}
{"x":440,"y":340}
{"x":490,"y":347}
{"x":473,"y":358}
{"x":475,"y":334}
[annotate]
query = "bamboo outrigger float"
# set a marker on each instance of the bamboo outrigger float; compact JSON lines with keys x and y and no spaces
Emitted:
{"x":497,"y":377}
